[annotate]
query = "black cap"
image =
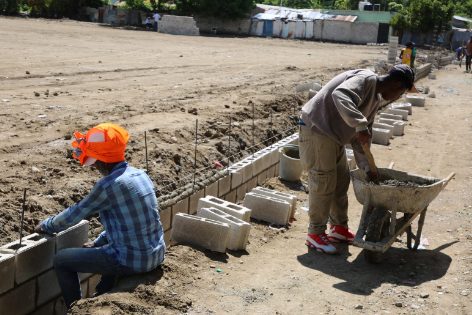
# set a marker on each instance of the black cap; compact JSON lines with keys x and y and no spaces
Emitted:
{"x":404,"y":74}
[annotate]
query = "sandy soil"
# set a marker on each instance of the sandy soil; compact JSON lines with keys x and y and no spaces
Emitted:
{"x":84,"y":74}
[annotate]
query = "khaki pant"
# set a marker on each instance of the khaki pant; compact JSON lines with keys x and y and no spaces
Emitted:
{"x":328,"y":179}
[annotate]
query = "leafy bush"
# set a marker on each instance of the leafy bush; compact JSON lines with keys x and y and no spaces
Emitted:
{"x":215,"y":8}
{"x":9,"y":7}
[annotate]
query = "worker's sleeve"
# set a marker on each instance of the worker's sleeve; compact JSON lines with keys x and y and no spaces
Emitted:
{"x":347,"y":98}
{"x":101,"y":239}
{"x":74,"y":214}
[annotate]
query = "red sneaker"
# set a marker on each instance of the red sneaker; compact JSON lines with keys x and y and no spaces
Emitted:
{"x":338,"y":233}
{"x":321,"y":243}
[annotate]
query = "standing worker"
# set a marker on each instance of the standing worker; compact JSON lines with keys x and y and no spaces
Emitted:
{"x":132,"y":240}
{"x":156,"y":18}
{"x":468,"y":54}
{"x":408,"y":55}
{"x":341,"y":113}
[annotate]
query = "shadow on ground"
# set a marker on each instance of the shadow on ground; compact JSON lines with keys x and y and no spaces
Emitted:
{"x":400,"y":266}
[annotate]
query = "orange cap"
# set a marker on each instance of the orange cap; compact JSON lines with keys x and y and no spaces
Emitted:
{"x":105,"y":142}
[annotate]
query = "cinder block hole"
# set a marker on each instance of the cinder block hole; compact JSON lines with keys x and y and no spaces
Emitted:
{"x":232,"y":219}
{"x":217,"y":211}
{"x":17,"y":246}
{"x":216,"y":201}
{"x":35,"y":238}
{"x":234,"y":207}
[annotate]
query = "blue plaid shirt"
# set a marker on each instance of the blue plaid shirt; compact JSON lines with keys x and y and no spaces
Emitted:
{"x":127,"y":204}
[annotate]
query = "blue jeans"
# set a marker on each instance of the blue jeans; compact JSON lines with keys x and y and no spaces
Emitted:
{"x":68,"y":262}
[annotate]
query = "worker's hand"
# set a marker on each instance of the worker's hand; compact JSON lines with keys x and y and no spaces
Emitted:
{"x":373,"y":177}
{"x":363,"y":137}
{"x":89,"y":244}
{"x":39,"y":229}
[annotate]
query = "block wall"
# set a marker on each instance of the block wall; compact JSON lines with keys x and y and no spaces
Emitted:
{"x":28,"y":283}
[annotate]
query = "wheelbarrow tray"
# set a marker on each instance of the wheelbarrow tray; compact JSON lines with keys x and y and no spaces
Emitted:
{"x":411,"y":200}
{"x":407,"y":199}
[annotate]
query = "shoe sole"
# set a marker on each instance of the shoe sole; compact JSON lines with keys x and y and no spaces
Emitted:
{"x":310,"y":245}
{"x":337,"y":240}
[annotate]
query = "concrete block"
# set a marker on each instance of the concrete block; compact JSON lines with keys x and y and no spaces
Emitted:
{"x":403,"y":106}
{"x":231,"y":196}
{"x":48,"y":287}
{"x":74,"y":236}
{"x":241,"y":192}
{"x":380,"y":136}
{"x":46,"y":309}
{"x":209,"y":234}
{"x":84,"y":288}
{"x":401,"y":112}
{"x":193,"y":203}
{"x":291,"y":199}
{"x":246,"y":167}
{"x":181,"y":206}
{"x":20,"y":300}
{"x":167,"y":237}
{"x":224,"y":185}
{"x":235,"y":210}
{"x":33,"y":257}
{"x":391,"y":116}
{"x":276,"y":170}
{"x":166,"y":218}
{"x":178,"y":25}
{"x":271,"y":171}
{"x":212,"y":189}
{"x":388,"y":127}
{"x":60,"y":306}
{"x":93,"y":281}
{"x":251,"y":184}
{"x":398,"y":126}
{"x":273,"y":154}
{"x":415,"y":100}
{"x":239,"y":229}
{"x":262,"y":177}
{"x":7,"y":271}
{"x":236,"y":176}
{"x":268,"y":209}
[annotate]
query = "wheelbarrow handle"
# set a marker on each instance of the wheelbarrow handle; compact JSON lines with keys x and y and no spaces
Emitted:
{"x":448,"y":178}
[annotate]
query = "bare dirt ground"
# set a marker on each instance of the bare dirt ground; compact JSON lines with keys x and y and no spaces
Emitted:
{"x":84,"y":74}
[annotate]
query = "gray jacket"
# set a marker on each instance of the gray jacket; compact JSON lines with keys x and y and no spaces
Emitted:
{"x":346,"y":104}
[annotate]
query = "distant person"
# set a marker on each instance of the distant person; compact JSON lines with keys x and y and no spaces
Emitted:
{"x":149,"y":23}
{"x":133,"y":240}
{"x":468,"y":54}
{"x":408,"y":55}
{"x":460,"y":53}
{"x":156,"y":17}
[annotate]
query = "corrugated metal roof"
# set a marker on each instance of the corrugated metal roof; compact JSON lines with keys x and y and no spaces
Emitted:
{"x":275,"y":13}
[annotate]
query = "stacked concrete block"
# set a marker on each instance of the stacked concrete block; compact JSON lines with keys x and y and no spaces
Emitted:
{"x":241,"y":192}
{"x":291,"y":199}
{"x":48,"y":287}
{"x":178,"y":25}
{"x":262,"y":177}
{"x":402,"y":106}
{"x":33,"y":257}
{"x":268,"y":209}
{"x":207,"y":233}
{"x":398,"y":126}
{"x":401,"y":112}
{"x":193,"y":201}
{"x":388,"y":127}
{"x":391,"y":116}
{"x":7,"y":271}
{"x":212,"y":189}
{"x":239,"y":229}
{"x":224,"y":185}
{"x":182,"y":206}
{"x":231,"y":196}
{"x":166,"y":218}
{"x":380,"y":136}
{"x":235,"y":210}
{"x":415,"y":100}
{"x":19,"y":301}
{"x":74,"y":236}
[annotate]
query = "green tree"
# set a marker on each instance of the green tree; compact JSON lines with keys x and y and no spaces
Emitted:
{"x":9,"y":7}
{"x":215,"y":8}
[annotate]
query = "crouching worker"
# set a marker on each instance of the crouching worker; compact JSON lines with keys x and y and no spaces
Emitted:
{"x":132,"y":241}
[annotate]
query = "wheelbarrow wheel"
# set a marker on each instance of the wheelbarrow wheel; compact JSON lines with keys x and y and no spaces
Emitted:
{"x":377,"y":229}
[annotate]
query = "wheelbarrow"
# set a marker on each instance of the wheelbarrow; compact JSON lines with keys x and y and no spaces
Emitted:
{"x":379,"y":226}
